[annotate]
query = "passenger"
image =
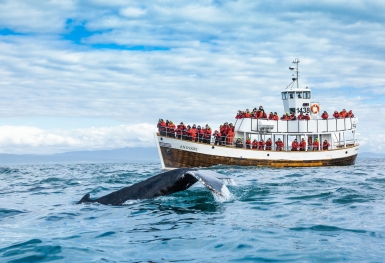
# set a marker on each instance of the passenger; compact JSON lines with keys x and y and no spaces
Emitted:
{"x":260,"y":112}
{"x":239,"y":115}
{"x":336,"y":115}
{"x":201,"y":134}
{"x":343,"y":114}
{"x":217,"y":136}
{"x":255,"y":144}
{"x":279,"y":145}
{"x":247,"y":113}
{"x":292,"y":116}
{"x":276,"y":116}
{"x":208,"y":134}
{"x":230,"y":134}
{"x":238,"y":143}
{"x":253,"y":114}
{"x":271,"y":116}
{"x":248,"y":143}
{"x":268,"y":144}
{"x":184,"y":132}
{"x":316,"y":145}
{"x":261,"y":145}
{"x":325,"y":115}
{"x":306,"y":117}
{"x":170,"y":129}
{"x":325,"y":145}
{"x":350,"y":114}
{"x":188,"y":135}
{"x":197,"y":139}
{"x":223,"y":132}
{"x":299,"y":96}
{"x":294,"y":145}
{"x":179,"y":130}
{"x":285,"y":117}
{"x":302,"y":145}
{"x":162,"y":127}
{"x":193,"y":131}
{"x":301,"y":116}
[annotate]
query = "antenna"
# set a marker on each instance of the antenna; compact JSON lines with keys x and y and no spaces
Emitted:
{"x":295,"y":61}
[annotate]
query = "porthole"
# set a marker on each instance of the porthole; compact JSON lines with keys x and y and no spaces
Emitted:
{"x":268,"y":154}
{"x":161,"y":138}
{"x":346,"y":152}
{"x":212,"y":147}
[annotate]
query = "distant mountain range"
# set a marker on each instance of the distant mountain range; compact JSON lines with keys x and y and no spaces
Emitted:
{"x":123,"y":155}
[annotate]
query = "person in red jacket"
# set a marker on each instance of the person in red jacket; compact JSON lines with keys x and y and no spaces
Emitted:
{"x":336,"y":115}
{"x":285,"y":117}
{"x":247,"y":113}
{"x":271,"y":116}
{"x":306,"y":117}
{"x":276,"y":116}
{"x":325,"y":115}
{"x":325,"y":145}
{"x":268,"y":144}
{"x":302,"y":145}
{"x":162,"y":127}
{"x":343,"y":114}
{"x":279,"y":145}
{"x":316,"y":145}
{"x":193,"y":131}
{"x":255,"y":144}
{"x":170,"y":129}
{"x":350,"y":114}
{"x":230,"y":134}
{"x":248,"y":143}
{"x":301,"y":116}
{"x":261,"y":145}
{"x":207,"y":135}
{"x":179,"y":130}
{"x":294,"y":145}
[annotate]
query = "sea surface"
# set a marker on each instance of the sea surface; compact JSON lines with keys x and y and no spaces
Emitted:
{"x":327,"y":214}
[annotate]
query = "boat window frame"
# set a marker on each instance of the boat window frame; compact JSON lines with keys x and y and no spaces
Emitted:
{"x":299,"y":94}
{"x":284,"y":95}
{"x":291,"y":94}
{"x":307,"y":95}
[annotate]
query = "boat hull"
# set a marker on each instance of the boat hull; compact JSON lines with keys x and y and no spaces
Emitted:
{"x":175,"y":153}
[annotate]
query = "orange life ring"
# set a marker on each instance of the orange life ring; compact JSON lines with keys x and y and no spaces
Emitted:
{"x":315,"y":108}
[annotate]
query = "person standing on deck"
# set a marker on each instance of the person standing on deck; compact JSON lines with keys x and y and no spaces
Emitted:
{"x":294,"y":145}
{"x":279,"y":145}
{"x":325,"y":145}
{"x":302,"y":145}
{"x":269,"y":143}
{"x":230,"y":134}
{"x":316,"y":145}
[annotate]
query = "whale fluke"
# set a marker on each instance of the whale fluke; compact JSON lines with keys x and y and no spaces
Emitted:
{"x":163,"y":184}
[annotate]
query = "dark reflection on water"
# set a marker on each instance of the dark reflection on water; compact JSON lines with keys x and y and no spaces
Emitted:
{"x":327,"y":214}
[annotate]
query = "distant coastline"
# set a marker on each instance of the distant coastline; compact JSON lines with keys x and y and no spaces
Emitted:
{"x":122,"y":155}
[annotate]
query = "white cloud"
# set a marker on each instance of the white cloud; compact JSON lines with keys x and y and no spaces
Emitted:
{"x":216,"y":57}
{"x":32,"y":140}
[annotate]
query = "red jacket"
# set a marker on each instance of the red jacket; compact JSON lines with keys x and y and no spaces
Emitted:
{"x":325,"y":116}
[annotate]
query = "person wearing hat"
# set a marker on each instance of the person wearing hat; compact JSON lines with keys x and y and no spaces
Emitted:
{"x":325,"y":115}
{"x":230,"y":134}
{"x":271,"y":116}
{"x":217,"y":135}
{"x":276,"y":116}
{"x":248,"y":143}
{"x":193,"y":132}
{"x":301,"y":116}
{"x":294,"y":145}
{"x":162,"y":127}
{"x":292,"y":116}
{"x":207,"y":138}
{"x":279,"y":145}
{"x":316,"y":145}
{"x":171,"y":129}
{"x":179,"y":130}
{"x":238,"y":143}
{"x":350,"y":114}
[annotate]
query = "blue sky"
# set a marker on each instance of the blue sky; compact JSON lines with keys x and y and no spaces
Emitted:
{"x":94,"y":74}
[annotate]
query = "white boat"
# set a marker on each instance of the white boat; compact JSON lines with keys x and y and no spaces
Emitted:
{"x":339,"y":132}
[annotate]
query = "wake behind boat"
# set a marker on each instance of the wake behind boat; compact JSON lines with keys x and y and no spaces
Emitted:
{"x":300,"y":138}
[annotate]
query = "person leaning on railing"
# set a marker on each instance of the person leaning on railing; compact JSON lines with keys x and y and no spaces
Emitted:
{"x":269,"y":143}
{"x":294,"y":145}
{"x":316,"y":145}
{"x":325,"y":115}
{"x":261,"y":145}
{"x":207,"y":135}
{"x":325,"y":145}
{"x":279,"y":144}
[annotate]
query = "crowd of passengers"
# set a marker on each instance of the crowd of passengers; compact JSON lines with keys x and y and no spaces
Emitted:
{"x":261,"y":114}
{"x":225,"y":136}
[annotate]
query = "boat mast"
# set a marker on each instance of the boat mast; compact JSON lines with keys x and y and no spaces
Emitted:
{"x":296,"y":61}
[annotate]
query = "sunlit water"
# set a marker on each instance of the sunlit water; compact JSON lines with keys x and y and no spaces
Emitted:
{"x":274,"y":215}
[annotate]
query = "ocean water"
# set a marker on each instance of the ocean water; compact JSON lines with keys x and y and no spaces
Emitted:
{"x":327,"y":214}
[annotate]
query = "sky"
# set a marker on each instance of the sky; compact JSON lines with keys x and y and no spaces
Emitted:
{"x":95,"y":74}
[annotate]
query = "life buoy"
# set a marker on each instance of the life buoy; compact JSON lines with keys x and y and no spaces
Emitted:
{"x":315,"y":108}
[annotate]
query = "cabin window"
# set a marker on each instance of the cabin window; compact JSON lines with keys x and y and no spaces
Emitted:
{"x":291,"y":95}
{"x":284,"y":95}
{"x":306,"y":94}
{"x":299,"y":95}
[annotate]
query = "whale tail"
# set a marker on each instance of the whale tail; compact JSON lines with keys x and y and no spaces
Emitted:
{"x":85,"y":199}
